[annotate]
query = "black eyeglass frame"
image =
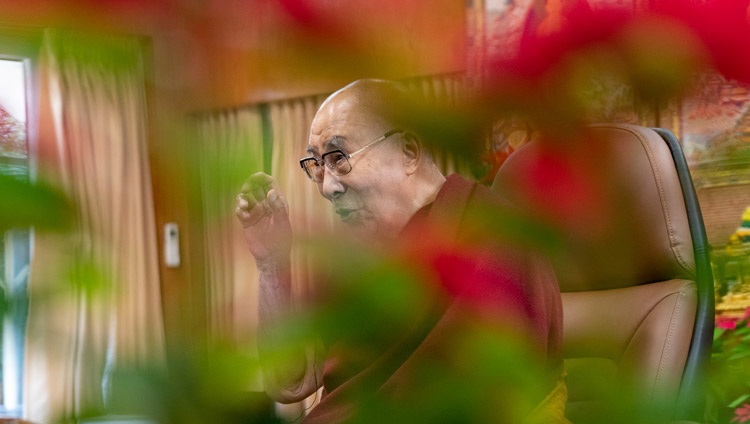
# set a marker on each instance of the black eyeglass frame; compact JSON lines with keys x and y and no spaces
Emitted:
{"x":346,"y":156}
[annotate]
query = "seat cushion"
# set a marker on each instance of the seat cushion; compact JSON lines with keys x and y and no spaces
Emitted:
{"x":626,"y":347}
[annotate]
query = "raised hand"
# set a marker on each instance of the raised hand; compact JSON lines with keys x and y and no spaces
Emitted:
{"x":263,"y":211}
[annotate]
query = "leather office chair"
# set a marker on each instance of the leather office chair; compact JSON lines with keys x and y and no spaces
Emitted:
{"x":633,"y":269}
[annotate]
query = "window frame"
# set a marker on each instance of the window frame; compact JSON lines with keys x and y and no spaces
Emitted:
{"x":21,"y":44}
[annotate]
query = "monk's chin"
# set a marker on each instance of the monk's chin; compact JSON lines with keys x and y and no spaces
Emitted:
{"x":364,"y":230}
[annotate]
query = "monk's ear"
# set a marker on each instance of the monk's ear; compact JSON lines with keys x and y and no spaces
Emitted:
{"x":412,"y":151}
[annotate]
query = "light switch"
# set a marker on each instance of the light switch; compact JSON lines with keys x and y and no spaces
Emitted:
{"x":171,"y":245}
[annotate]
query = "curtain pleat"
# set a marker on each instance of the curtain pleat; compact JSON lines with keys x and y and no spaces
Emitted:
{"x":444,"y":90}
{"x":309,"y":212}
{"x":94,"y":292}
{"x":231,"y":149}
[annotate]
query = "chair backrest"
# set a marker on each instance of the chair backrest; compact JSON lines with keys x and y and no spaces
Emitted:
{"x":634,"y":270}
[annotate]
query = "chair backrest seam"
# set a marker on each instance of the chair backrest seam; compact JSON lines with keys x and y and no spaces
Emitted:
{"x":662,"y":199}
{"x":660,"y":372}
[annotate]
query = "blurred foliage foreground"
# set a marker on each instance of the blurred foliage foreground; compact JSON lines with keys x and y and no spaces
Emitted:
{"x":657,"y":54}
{"x":376,"y":300}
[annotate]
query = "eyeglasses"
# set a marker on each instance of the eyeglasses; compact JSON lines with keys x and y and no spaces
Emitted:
{"x":337,"y":161}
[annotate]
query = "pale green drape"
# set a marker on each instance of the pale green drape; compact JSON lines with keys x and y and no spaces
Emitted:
{"x":94,"y":292}
{"x":230,"y":144}
{"x":231,"y":149}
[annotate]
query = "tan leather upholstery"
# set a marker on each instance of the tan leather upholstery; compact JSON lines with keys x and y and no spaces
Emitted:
{"x":626,"y":268}
{"x":626,"y":345}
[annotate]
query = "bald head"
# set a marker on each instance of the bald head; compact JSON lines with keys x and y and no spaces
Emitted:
{"x":376,"y":104}
{"x":381,"y":100}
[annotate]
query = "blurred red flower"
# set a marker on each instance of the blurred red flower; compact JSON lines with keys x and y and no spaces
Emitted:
{"x":722,"y":26}
{"x":557,"y":186}
{"x":727,"y":323}
{"x":486,"y":283}
{"x":742,"y":414}
{"x":658,"y":51}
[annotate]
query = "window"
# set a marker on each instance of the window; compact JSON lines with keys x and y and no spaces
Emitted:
{"x":15,"y":244}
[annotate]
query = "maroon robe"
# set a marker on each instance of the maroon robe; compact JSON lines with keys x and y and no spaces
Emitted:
{"x":493,"y":281}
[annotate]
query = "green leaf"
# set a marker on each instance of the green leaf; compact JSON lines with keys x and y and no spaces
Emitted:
{"x":24,"y":204}
{"x":737,"y":402}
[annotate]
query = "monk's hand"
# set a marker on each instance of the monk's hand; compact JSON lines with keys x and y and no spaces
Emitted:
{"x":263,"y":211}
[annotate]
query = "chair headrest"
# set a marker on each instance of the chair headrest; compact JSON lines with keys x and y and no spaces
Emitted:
{"x":615,"y":196}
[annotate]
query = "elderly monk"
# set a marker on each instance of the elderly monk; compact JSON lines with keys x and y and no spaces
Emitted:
{"x":385,"y":187}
